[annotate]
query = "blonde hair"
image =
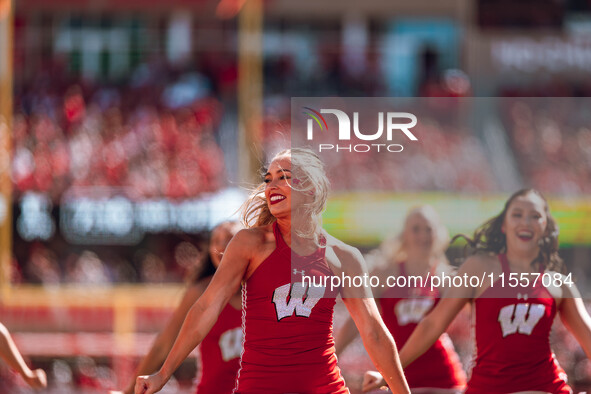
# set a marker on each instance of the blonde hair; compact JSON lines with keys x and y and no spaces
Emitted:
{"x":308,"y":170}
{"x":394,"y":250}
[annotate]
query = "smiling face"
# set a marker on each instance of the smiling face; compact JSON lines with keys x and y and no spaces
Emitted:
{"x":280,"y":193}
{"x":525,"y":223}
{"x":278,"y":188}
{"x":418,"y":235}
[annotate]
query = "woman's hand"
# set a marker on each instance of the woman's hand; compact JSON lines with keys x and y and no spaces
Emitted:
{"x":372,"y":380}
{"x":37,"y":378}
{"x":149,"y":384}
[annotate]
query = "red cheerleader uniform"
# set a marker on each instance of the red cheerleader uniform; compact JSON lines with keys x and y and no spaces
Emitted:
{"x":219,"y":353}
{"x":402,"y":310}
{"x":288,"y":341}
{"x":512,"y":331}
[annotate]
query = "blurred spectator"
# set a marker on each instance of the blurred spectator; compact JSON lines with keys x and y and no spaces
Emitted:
{"x":88,"y":269}
{"x":63,"y":376}
{"x":152,"y":269}
{"x":91,"y":375}
{"x":189,"y":258}
{"x":42,"y":267}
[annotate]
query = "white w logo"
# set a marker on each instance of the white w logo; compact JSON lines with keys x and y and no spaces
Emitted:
{"x":231,"y":343}
{"x":412,"y":310}
{"x":296,"y":299}
{"x":520,"y":318}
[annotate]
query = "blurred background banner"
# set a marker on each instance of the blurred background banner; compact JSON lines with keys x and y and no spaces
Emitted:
{"x":371,"y":215}
{"x":129,"y":128}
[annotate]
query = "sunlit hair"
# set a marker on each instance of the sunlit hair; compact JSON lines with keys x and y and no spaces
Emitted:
{"x":394,"y":250}
{"x":490,"y":238}
{"x":308,"y":177}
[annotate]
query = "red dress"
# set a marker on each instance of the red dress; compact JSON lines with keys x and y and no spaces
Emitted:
{"x":288,"y":342}
{"x":402,"y":310}
{"x":513,"y":340}
{"x":219,"y":353}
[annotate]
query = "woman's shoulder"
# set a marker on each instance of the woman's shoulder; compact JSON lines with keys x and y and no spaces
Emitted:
{"x":480,"y":262}
{"x":340,"y":248}
{"x":445,"y":268}
{"x":342,"y":257}
{"x":255,"y":235}
{"x":559,"y":285}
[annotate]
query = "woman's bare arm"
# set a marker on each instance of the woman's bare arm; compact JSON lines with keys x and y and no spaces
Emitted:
{"x":9,"y":353}
{"x":204,"y":313}
{"x":359,"y":301}
{"x":165,"y":339}
{"x":575,"y":317}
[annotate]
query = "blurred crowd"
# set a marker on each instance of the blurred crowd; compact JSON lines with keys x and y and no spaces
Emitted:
{"x":551,"y":140}
{"x":163,"y":259}
{"x":158,"y":139}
